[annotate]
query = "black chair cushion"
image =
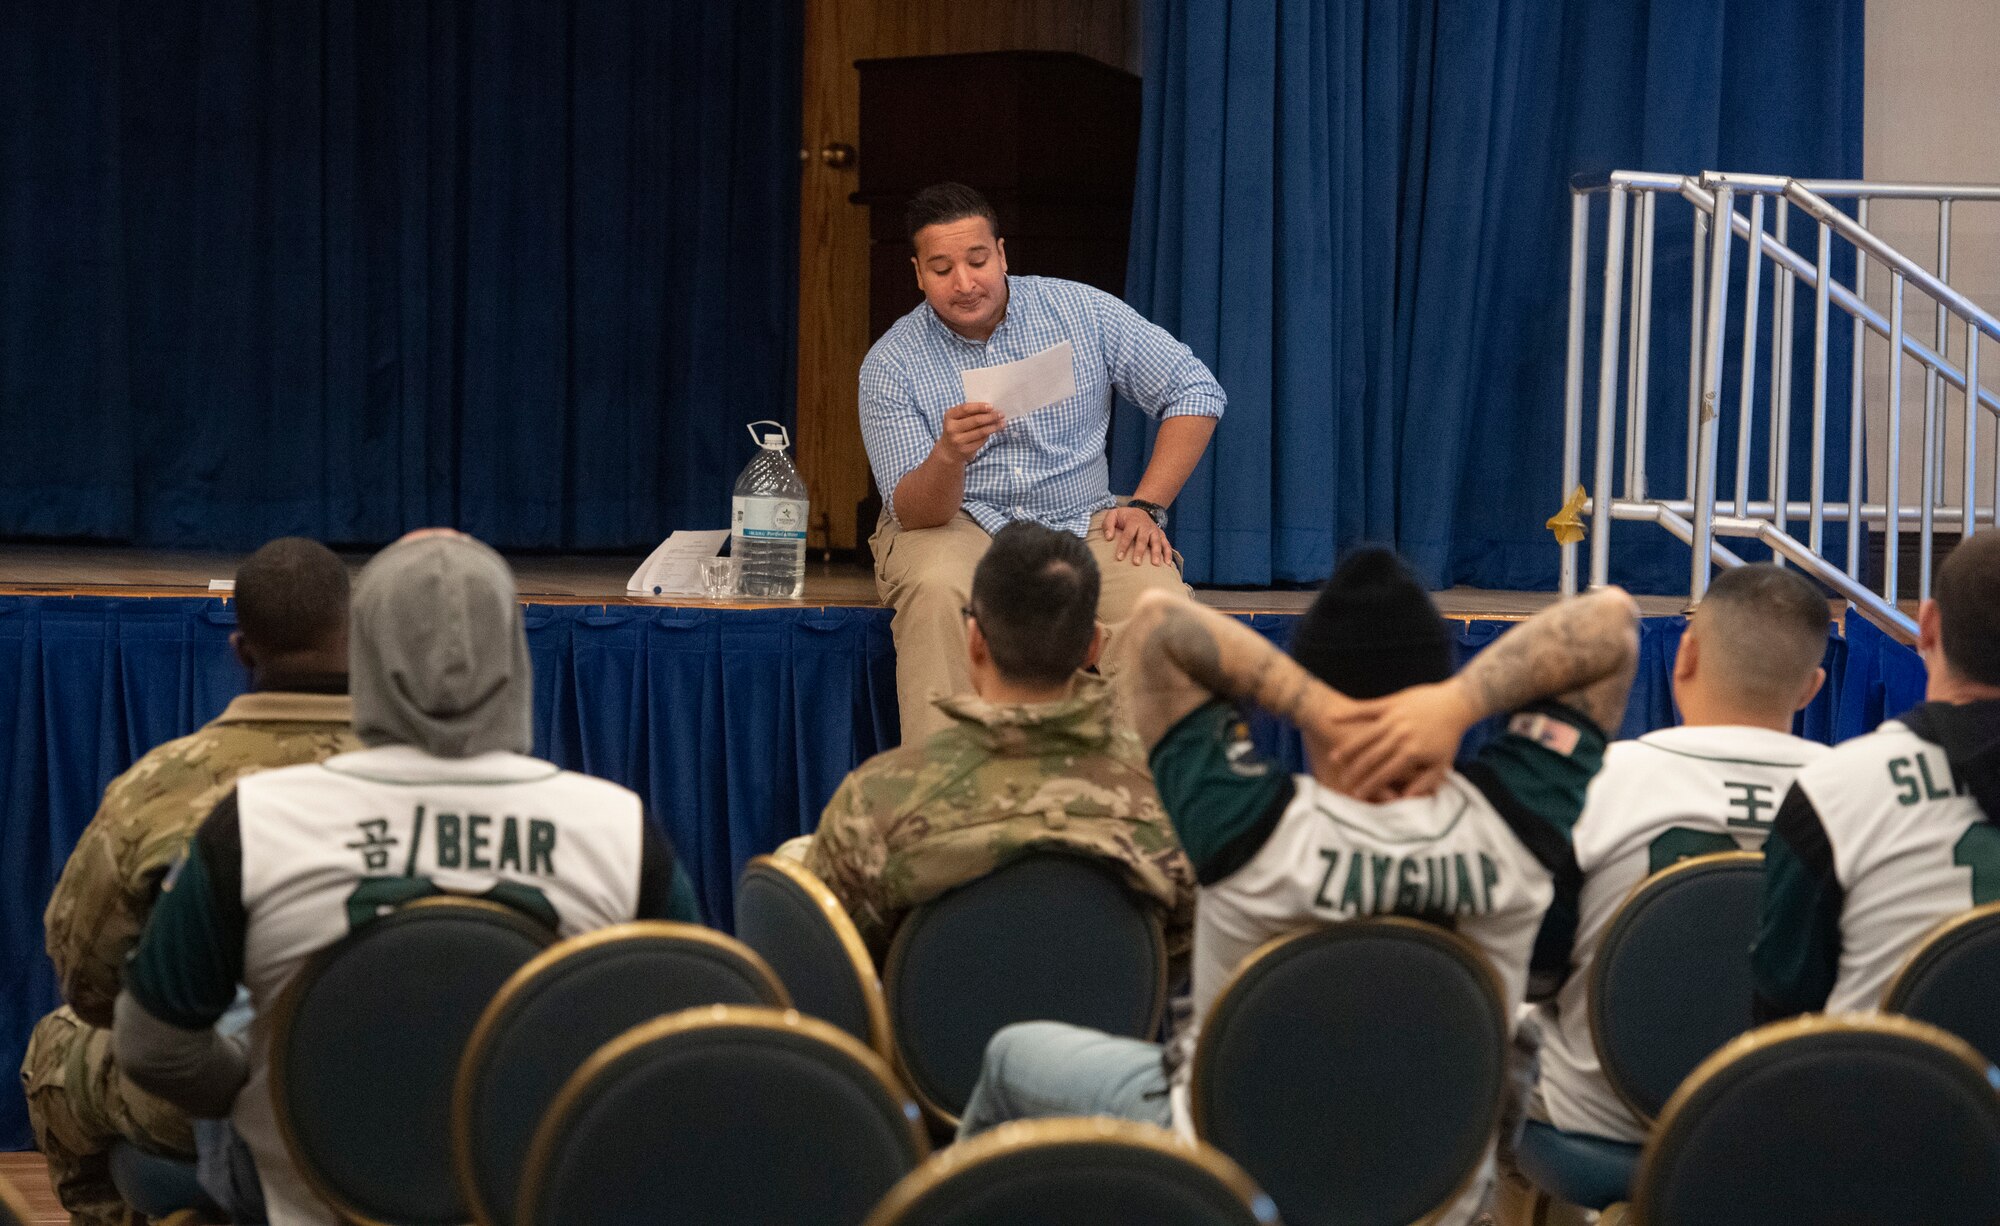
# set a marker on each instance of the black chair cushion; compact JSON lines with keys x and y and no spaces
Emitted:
{"x":1355,"y":1073}
{"x":786,"y":925}
{"x":1672,"y":979}
{"x":1082,"y":1185}
{"x":374,"y":1045}
{"x":727,"y":1124}
{"x":1952,"y":985}
{"x":1048,"y":937}
{"x":577,"y":1005}
{"x":1854,"y":1129}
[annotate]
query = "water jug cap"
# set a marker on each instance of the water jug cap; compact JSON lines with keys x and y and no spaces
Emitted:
{"x":779,"y":441}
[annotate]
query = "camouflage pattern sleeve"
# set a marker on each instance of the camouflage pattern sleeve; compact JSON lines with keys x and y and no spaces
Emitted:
{"x":848,"y":853}
{"x":108,"y":887}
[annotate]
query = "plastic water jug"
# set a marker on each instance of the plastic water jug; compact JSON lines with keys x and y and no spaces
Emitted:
{"x":767,"y":523}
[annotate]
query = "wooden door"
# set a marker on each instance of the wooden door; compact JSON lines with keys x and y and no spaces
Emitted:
{"x":833,"y":232}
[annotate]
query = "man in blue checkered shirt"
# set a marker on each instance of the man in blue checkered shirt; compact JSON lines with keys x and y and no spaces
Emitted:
{"x":953,"y":473}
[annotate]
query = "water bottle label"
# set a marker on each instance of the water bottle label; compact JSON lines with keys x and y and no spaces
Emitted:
{"x":770,"y":519}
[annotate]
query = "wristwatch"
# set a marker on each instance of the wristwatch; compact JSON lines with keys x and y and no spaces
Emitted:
{"x":1154,"y":509}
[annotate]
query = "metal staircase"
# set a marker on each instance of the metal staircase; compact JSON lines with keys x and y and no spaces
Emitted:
{"x":1680,"y":494}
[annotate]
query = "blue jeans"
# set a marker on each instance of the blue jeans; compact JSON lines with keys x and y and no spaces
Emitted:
{"x":1038,"y":1069}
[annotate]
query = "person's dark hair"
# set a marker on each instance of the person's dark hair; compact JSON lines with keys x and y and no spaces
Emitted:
{"x":291,"y":595}
{"x":1034,"y":596}
{"x":1373,"y":630}
{"x":1766,"y":628}
{"x":946,"y":202}
{"x":1968,"y":599}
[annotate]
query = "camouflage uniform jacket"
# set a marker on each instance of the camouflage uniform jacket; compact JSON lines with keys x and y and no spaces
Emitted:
{"x":108,"y":887}
{"x":912,"y":823}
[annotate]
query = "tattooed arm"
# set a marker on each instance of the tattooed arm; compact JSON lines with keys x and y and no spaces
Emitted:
{"x":1182,"y":655}
{"x":1582,"y":653}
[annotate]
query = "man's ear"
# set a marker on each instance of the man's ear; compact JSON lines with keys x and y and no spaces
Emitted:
{"x":1000,"y":245}
{"x":1687,"y":659}
{"x":1930,"y":630}
{"x":975,"y":643}
{"x":1812,"y":689}
{"x":1096,"y":647}
{"x":244,"y":655}
{"x":917,"y":269}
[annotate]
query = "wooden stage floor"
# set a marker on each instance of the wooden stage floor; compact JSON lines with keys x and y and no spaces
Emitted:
{"x":57,"y":570}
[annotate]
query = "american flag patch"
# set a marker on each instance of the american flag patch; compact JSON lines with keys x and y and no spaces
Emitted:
{"x":1551,"y":734}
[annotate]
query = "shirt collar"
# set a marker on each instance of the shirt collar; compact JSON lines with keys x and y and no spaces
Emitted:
{"x":1079,"y":722}
{"x":288,"y":706}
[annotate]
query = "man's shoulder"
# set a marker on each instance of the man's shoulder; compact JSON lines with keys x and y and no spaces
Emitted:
{"x":216,"y":756}
{"x":905,"y":338}
{"x":1861,"y":756}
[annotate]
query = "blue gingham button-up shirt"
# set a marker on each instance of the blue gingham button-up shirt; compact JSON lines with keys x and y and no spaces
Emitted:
{"x":1048,"y":466}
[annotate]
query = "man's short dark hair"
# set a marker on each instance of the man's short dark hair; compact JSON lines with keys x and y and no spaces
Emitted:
{"x":1766,"y":630}
{"x":1968,"y":599}
{"x":941,"y":203}
{"x":1034,"y":595}
{"x":291,"y":595}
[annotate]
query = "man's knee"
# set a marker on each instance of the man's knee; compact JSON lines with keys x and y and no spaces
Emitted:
{"x":45,"y":1082}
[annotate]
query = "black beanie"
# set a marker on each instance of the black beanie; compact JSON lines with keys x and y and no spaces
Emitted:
{"x":1373,"y":629}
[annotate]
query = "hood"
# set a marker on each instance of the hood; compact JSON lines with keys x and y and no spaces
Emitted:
{"x":438,"y":653}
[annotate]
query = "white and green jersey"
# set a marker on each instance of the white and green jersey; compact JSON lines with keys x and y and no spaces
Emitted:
{"x":296,"y":858}
{"x":1877,"y":842}
{"x":1276,"y":853}
{"x":1670,"y":794}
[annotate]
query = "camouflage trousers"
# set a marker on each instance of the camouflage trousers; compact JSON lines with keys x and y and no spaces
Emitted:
{"x":79,"y":1105}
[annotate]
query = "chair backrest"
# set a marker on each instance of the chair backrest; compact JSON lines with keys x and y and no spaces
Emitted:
{"x":723,"y":1114}
{"x":13,"y":1206}
{"x":798,"y":925}
{"x":555,"y":1013}
{"x":1355,"y":1070}
{"x":1948,"y":980}
{"x":1860,"y":1119}
{"x":1048,"y":937}
{"x":364,"y":1043}
{"x":1077,"y":1172}
{"x":1671,"y":982}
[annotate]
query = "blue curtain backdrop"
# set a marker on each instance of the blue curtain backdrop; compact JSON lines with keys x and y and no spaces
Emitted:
{"x":735,"y":727}
{"x":344,"y":268}
{"x":1356,"y":211}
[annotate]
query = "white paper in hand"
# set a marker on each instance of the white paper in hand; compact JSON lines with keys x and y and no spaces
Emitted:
{"x":1019,"y":388}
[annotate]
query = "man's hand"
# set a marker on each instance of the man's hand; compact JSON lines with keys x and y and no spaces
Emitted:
{"x":1135,"y":533}
{"x":1403,"y":744}
{"x":966,"y":429}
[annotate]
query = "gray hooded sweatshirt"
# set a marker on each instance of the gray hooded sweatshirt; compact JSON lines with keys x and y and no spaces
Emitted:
{"x":439,"y":654}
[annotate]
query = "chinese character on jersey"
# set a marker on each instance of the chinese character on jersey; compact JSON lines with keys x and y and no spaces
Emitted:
{"x":1752,"y":801}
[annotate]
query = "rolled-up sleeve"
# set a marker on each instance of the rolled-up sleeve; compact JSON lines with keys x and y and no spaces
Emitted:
{"x":1152,"y":369}
{"x":895,"y":434}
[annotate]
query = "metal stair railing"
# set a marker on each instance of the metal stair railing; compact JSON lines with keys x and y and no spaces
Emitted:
{"x":1699,"y":518}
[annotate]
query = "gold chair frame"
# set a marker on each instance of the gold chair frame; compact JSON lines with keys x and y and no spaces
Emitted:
{"x":1028,"y":1136}
{"x":1593,"y":1009}
{"x":880,"y":1036}
{"x":1461,"y":948}
{"x":286,"y":1010}
{"x":1672,"y":1116}
{"x":1926,"y":947}
{"x":521,"y":981}
{"x":708,"y":1017}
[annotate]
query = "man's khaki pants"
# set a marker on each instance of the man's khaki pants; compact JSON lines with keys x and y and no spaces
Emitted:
{"x":80,"y":1105}
{"x":925,"y":575}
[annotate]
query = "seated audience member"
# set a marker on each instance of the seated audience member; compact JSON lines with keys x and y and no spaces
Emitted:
{"x":1032,"y":760}
{"x":287,"y":860}
{"x":1361,"y":835}
{"x":291,"y":637}
{"x":1893,"y":831}
{"x":1749,"y":661}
